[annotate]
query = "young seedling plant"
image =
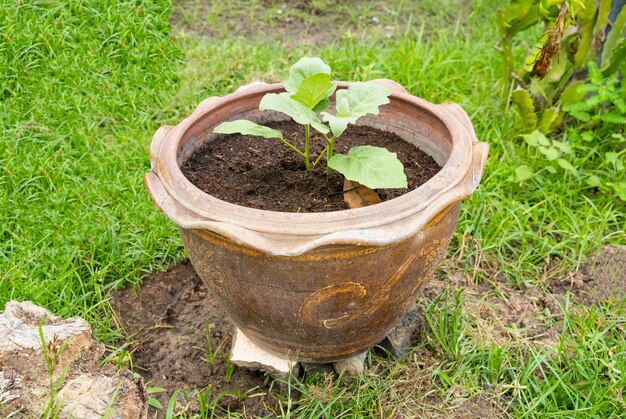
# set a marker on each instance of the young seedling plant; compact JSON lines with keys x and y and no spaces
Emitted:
{"x":306,"y":99}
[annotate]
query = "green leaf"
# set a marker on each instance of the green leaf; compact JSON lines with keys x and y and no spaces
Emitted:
{"x":525,"y":108}
{"x":360,"y":99}
{"x":313,"y":90}
{"x":550,"y":153}
{"x":374,"y":167}
{"x":550,"y":120}
{"x":536,"y":138}
{"x":584,"y":45}
{"x":322,"y":105}
{"x":620,"y":190}
{"x":617,"y":33}
{"x":573,"y":93}
{"x":617,"y":58}
{"x":281,"y":102}
{"x":155,"y":403}
{"x":305,"y":67}
{"x":550,"y":169}
{"x":523,"y":173}
{"x":587,"y":136}
{"x":245,"y":127}
{"x":613,"y":118}
{"x":567,"y":166}
{"x":564,"y":147}
{"x":614,"y":158}
{"x":593,"y":181}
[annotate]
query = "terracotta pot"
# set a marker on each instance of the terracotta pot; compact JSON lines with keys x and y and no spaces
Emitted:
{"x":319,"y":286}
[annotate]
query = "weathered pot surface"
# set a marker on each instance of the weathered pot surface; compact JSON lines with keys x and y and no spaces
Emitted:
{"x":319,"y":286}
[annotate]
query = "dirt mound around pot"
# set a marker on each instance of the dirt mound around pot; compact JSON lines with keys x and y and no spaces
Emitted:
{"x":603,"y":278}
{"x":167,"y":321}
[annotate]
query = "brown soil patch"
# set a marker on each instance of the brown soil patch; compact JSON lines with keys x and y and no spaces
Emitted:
{"x":167,"y":317}
{"x":602,"y":279}
{"x":308,"y":22}
{"x":262,"y":173}
{"x":505,"y":315}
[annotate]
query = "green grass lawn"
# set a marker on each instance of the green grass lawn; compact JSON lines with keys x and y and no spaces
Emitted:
{"x":85,"y":84}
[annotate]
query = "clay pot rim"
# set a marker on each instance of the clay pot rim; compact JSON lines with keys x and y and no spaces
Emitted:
{"x":287,"y":233}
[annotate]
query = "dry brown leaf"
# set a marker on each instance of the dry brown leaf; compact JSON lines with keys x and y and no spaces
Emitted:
{"x":357,"y":195}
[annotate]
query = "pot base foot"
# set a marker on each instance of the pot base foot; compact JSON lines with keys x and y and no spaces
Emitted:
{"x":398,"y":343}
{"x":246,"y":354}
{"x":351,"y":367}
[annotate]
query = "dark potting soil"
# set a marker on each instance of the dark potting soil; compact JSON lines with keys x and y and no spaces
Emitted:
{"x":262,"y":173}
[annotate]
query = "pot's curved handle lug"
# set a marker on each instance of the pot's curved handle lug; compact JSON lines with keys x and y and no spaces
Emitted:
{"x":480,"y":149}
{"x":165,"y":202}
{"x":394,"y":86}
{"x":157,"y":142}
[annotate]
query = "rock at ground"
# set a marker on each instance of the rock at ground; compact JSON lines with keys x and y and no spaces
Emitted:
{"x":40,"y":352}
{"x":406,"y":335}
{"x":246,"y":354}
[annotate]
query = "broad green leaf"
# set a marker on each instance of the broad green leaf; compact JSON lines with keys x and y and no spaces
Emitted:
{"x":617,"y":33}
{"x":536,"y":138}
{"x":564,"y":147}
{"x":281,"y":102}
{"x":374,"y":167}
{"x":337,"y":124}
{"x":313,"y":90}
{"x":523,"y":173}
{"x":587,"y":136}
{"x":550,"y":120}
{"x":245,"y":127}
{"x":525,"y":108}
{"x":322,"y":105}
{"x":550,"y":169}
{"x":305,"y":67}
{"x":620,"y":190}
{"x":573,"y":93}
{"x":567,"y":166}
{"x":549,"y":152}
{"x":360,"y":99}
{"x":584,"y":45}
{"x":614,"y":158}
{"x":616,"y":59}
{"x":594,"y":181}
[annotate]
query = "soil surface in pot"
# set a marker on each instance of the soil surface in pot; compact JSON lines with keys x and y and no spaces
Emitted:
{"x":262,"y":173}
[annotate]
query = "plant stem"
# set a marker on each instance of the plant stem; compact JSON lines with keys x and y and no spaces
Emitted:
{"x":329,"y":154}
{"x":307,"y":134}
{"x":291,"y":146}
{"x":320,"y":156}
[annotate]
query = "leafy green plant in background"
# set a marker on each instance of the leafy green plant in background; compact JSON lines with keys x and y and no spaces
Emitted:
{"x":569,"y":85}
{"x":308,"y":92}
{"x":556,"y":67}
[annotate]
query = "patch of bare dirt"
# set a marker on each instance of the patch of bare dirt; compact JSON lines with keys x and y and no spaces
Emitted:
{"x":603,"y":278}
{"x":306,"y":22}
{"x":502,"y":314}
{"x":167,"y":317}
